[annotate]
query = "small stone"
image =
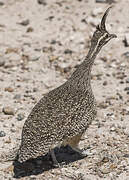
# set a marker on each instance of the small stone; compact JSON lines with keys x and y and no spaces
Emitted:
{"x":120,"y":96}
{"x":8,"y":65}
{"x":2,"y":134}
{"x":35,"y":58}
{"x":50,"y":18}
{"x":126,"y":40}
{"x":127,"y":80}
{"x":105,"y":159}
{"x":113,"y":129}
{"x":1,"y":3}
{"x":29,"y":29}
{"x":53,"y":41}
{"x":53,"y":58}
{"x":68,"y":51}
{"x":110,"y":114}
{"x":103,"y":105}
{"x":2,"y":61}
{"x":126,"y":155}
{"x":20,"y":117}
{"x":35,"y":89}
{"x":8,"y":141}
{"x":47,"y":49}
{"x":9,"y":89}
{"x":13,"y":130}
{"x":17,"y":96}
{"x":101,"y":1}
{"x":25,"y":22}
{"x":84,"y":21}
{"x":126,"y":89}
{"x":105,"y":83}
{"x":43,"y":2}
{"x":105,"y":171}
{"x":105,"y":1}
{"x":8,"y":110}
{"x":126,"y":54}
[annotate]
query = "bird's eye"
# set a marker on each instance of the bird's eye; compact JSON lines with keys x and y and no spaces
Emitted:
{"x":106,"y":36}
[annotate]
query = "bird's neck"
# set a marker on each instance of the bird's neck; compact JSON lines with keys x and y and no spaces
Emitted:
{"x":93,"y":51}
{"x":82,"y":75}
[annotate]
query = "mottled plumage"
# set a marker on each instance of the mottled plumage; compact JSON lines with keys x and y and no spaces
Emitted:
{"x":65,"y":113}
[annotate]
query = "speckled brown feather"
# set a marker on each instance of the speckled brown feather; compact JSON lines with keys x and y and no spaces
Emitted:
{"x":64,"y":112}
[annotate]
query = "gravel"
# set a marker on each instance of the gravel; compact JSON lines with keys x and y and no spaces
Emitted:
{"x":8,"y":110}
{"x":2,"y":134}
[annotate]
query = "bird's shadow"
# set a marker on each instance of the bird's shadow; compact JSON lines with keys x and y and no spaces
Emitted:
{"x":64,"y":155}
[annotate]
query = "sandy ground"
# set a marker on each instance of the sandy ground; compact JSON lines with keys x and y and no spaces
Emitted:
{"x":40,"y":46}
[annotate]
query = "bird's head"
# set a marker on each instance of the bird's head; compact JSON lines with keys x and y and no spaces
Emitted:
{"x":101,"y":36}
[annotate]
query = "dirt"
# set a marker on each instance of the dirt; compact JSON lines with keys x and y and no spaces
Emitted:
{"x":41,"y":43}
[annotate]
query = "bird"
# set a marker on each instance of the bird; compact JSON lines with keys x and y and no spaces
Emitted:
{"x":63,"y":115}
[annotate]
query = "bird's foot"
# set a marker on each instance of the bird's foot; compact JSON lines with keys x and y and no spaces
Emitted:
{"x":82,"y":152}
{"x":59,"y":165}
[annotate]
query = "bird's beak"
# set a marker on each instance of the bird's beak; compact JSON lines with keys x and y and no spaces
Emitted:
{"x":102,"y":25}
{"x":113,"y":36}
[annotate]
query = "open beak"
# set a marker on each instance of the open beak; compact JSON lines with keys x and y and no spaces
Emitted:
{"x":113,"y":36}
{"x":102,"y":25}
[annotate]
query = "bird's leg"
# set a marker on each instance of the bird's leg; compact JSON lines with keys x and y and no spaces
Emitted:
{"x":82,"y":152}
{"x":55,"y":162}
{"x":74,"y":144}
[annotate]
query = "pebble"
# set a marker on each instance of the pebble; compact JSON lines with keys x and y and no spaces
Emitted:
{"x":53,"y":58}
{"x":25,"y":22}
{"x":105,"y":170}
{"x":103,"y":105}
{"x":8,"y":65}
{"x":1,"y":3}
{"x":47,"y":49}
{"x":126,"y":155}
{"x":126,"y":54}
{"x":105,"y":1}
{"x":105,"y":83}
{"x":2,"y":61}
{"x":35,"y":58}
{"x":112,"y":129}
{"x":2,"y":134}
{"x":8,"y":110}
{"x":101,"y":1}
{"x":110,"y":114}
{"x":29,"y":29}
{"x":17,"y":96}
{"x":9,"y":89}
{"x":35,"y":89}
{"x":127,"y":80}
{"x":43,"y":2}
{"x":126,"y":40}
{"x":20,"y":117}
{"x":68,"y":51}
{"x":126,"y":89}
